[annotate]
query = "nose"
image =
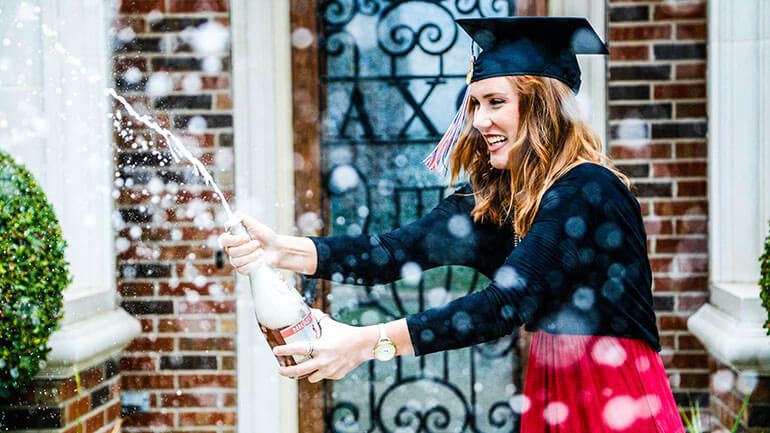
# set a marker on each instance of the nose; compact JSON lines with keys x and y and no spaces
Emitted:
{"x":481,"y":120}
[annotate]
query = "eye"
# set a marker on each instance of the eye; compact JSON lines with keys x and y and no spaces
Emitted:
{"x":496,"y":101}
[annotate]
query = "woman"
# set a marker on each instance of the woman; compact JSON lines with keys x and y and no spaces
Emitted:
{"x":579,"y":278}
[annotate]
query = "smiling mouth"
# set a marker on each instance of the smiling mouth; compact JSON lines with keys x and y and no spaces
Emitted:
{"x":496,"y":142}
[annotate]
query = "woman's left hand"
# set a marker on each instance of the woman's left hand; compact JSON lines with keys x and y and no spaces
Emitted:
{"x":340,"y":349}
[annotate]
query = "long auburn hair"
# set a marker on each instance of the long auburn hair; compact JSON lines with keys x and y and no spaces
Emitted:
{"x":552,"y":139}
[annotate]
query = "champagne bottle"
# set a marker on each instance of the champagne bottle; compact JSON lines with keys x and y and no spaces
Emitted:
{"x":283,"y":316}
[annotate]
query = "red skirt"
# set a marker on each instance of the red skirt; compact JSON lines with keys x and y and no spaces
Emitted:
{"x":584,"y":383}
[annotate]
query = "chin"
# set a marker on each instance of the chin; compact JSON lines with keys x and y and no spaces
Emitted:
{"x":498,"y":163}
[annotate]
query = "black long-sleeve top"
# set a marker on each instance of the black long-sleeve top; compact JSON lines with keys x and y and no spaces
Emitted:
{"x":581,"y":269}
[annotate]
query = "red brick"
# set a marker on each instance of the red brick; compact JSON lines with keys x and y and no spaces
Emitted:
{"x":680,"y":169}
{"x":681,"y":245}
{"x":693,"y":380}
{"x":691,"y":188}
{"x":141,"y":6}
{"x":667,"y":341}
{"x":68,"y":389}
{"x":210,"y":269}
{"x":179,"y":215}
{"x":188,"y":400}
{"x":217,"y":307}
{"x":215,"y":83}
{"x":138,"y":363}
{"x":228,"y":363}
{"x":630,"y":52}
{"x":690,"y":110}
{"x":94,"y":422}
{"x":691,"y":226}
{"x":145,"y":344}
{"x":645,"y":207}
{"x":213,"y":197}
{"x":113,"y":412}
{"x":680,"y":207}
{"x":691,"y":303}
{"x":207,"y":380}
{"x":148,"y":325}
{"x":640,"y":33}
{"x":688,"y":71}
{"x":230,"y":400}
{"x":135,"y":289}
{"x":680,"y":284}
{"x":687,"y":360}
{"x":691,"y":149}
{"x":691,"y":31}
{"x":195,"y":6}
{"x":692,"y":264}
{"x":642,"y":151}
{"x":661,"y":264}
{"x":147,"y":381}
{"x":672,"y":323}
{"x":207,"y":418}
{"x":121,"y":65}
{"x":658,"y":227}
{"x":132,"y":196}
{"x":192,"y":233}
{"x":680,"y":11}
{"x":206,"y":344}
{"x":138,"y":252}
{"x":78,"y":408}
{"x":187,"y":325}
{"x":224,"y":101}
{"x":149,"y":419}
{"x":679,"y":91}
{"x":181,"y":252}
{"x":137,"y":24}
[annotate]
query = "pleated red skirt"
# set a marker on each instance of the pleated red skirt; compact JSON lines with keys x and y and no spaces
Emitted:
{"x":583,"y":383}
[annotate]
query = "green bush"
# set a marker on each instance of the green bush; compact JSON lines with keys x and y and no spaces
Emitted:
{"x":33,"y":274}
{"x":764,"y":281}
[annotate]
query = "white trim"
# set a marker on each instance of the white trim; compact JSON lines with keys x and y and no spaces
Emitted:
{"x":264,"y":188}
{"x":593,"y":91}
{"x":739,"y":168}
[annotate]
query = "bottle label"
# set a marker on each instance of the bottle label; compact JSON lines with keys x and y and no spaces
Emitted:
{"x":306,"y":329}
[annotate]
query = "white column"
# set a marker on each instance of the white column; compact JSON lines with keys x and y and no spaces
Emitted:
{"x":739,"y":182}
{"x":264,"y":182}
{"x":53,"y":119}
{"x":593,"y":91}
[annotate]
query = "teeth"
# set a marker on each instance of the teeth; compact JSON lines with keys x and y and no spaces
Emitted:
{"x":495,"y":140}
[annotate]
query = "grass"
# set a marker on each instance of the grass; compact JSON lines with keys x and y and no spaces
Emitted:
{"x":693,"y":422}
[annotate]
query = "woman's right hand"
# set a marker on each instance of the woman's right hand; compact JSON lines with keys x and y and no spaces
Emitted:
{"x":247,"y":250}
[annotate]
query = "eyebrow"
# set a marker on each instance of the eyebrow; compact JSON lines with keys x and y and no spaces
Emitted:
{"x":489,"y":95}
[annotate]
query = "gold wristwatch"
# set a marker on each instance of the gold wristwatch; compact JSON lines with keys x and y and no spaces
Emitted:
{"x":385,"y":349}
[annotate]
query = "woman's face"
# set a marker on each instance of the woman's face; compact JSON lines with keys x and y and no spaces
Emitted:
{"x":496,"y":116}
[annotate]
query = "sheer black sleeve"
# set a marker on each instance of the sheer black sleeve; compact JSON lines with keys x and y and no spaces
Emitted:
{"x":445,"y":236}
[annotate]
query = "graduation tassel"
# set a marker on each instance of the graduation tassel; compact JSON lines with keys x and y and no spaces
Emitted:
{"x":440,"y":154}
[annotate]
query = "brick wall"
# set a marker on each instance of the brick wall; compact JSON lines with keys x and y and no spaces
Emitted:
{"x":170,"y":275}
{"x":657,"y":120}
{"x":60,"y":405}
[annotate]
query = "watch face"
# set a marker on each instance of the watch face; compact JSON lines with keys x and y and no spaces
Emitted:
{"x":385,"y":351}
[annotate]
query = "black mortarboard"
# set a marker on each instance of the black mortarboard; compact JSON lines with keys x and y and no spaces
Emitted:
{"x":543,"y":46}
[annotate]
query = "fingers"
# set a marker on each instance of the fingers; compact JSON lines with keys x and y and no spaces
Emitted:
{"x":301,"y":369}
{"x":254,"y":226}
{"x":247,"y":263}
{"x":227,"y":240}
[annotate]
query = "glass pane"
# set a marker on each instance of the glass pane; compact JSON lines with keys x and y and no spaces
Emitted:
{"x":395,"y":71}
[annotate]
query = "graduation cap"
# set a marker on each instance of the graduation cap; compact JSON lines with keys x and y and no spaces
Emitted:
{"x":542,"y":46}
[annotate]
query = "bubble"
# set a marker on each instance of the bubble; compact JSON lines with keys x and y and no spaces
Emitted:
{"x":159,"y":84}
{"x":631,"y":129}
{"x":555,"y":413}
{"x":132,"y":75}
{"x":747,"y":381}
{"x":224,"y":158}
{"x":309,"y":223}
{"x":411,"y":273}
{"x":302,"y":38}
{"x":176,"y":235}
{"x":575,"y":227}
{"x":208,"y":38}
{"x":620,"y":412}
{"x":370,"y":317}
{"x":192,"y":83}
{"x":459,"y":226}
{"x":343,"y":179}
{"x":363,"y":211}
{"x":211,"y":64}
{"x":520,"y":403}
{"x":135,"y":232}
{"x":437,"y":297}
{"x":340,"y":220}
{"x":606,"y":351}
{"x":642,"y":363}
{"x":648,"y":406}
{"x":723,"y":380}
{"x":196,"y":125}
{"x":122,"y":244}
{"x":192,"y":296}
{"x":461,"y":321}
{"x":401,"y":160}
{"x":126,"y":34}
{"x":507,"y":277}
{"x":168,"y":43}
{"x":609,"y":236}
{"x":129,"y":272}
{"x":584,"y":298}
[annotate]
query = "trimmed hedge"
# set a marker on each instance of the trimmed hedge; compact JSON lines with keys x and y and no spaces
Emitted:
{"x":33,"y":274}
{"x":764,"y":281}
